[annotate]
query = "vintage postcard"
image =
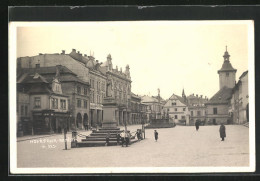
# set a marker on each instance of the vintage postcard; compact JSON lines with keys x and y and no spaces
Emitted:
{"x":131,"y":97}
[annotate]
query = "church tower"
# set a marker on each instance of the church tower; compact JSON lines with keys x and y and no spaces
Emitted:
{"x":227,"y":74}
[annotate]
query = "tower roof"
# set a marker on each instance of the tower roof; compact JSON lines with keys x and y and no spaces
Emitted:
{"x":226,"y":66}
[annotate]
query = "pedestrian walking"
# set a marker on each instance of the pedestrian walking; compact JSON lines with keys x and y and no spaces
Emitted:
{"x":197,"y":125}
{"x":222,"y":131}
{"x":156,"y":135}
{"x":107,"y":139}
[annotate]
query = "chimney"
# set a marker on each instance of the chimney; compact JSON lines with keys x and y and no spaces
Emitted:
{"x":97,"y":61}
{"x":196,"y":95}
{"x":121,"y":69}
{"x":58,"y":67}
{"x":63,"y":52}
{"x":85,"y":55}
{"x":74,"y":50}
{"x":200,"y":96}
{"x":78,"y":52}
{"x":40,"y":53}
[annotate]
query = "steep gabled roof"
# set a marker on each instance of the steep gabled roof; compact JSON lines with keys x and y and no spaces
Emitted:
{"x":221,"y":97}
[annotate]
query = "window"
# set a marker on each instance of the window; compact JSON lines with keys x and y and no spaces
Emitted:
{"x":176,"y":109}
{"x":184,"y":109}
{"x":22,"y":110}
{"x":182,"y":117}
{"x":25,"y":110}
{"x":215,"y":110}
{"x":85,"y":104}
{"x":191,"y":113}
{"x":227,"y":74}
{"x":175,"y":116}
{"x":85,"y":91}
{"x":37,"y":65}
{"x":78,"y":103}
{"x":173,"y":103}
{"x":198,"y":113}
{"x":68,"y":103}
{"x":54,"y":103}
{"x":90,"y":83}
{"x":63,"y":104}
{"x":78,"y":89}
{"x":37,"y":102}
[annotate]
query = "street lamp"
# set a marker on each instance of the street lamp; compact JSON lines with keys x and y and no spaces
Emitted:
{"x":143,"y":128}
{"x":65,"y":129}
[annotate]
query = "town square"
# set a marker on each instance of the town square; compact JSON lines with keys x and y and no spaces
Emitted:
{"x":133,"y":94}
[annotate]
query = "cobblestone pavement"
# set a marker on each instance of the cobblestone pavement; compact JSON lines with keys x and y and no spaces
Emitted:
{"x":179,"y":146}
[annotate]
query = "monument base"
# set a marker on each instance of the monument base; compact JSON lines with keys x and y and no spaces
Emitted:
{"x":111,"y":124}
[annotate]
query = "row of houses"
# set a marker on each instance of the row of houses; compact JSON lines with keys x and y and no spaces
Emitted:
{"x":229,"y":105}
{"x":72,"y":90}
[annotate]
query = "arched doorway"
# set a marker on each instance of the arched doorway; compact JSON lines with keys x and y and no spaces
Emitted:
{"x":79,"y":121}
{"x":85,"y":119}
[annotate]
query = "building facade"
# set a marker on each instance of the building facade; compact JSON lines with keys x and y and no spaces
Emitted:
{"x":217,"y":108}
{"x":177,"y":109}
{"x":117,"y":103}
{"x":197,"y":108}
{"x":239,"y":105}
{"x":136,"y":115}
{"x":48,"y":104}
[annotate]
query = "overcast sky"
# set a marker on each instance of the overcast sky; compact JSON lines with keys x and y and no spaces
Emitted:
{"x":168,"y":55}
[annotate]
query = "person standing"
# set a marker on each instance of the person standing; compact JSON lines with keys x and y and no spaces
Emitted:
{"x":127,"y":139}
{"x":222,"y":131}
{"x":156,"y":135}
{"x":107,"y":139}
{"x":117,"y":138}
{"x":122,"y":135}
{"x":197,"y":125}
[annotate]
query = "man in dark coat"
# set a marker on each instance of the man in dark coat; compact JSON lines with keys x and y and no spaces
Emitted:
{"x":118,"y":138}
{"x":197,"y":125}
{"x":107,"y":139}
{"x":156,"y":135}
{"x":222,"y":131}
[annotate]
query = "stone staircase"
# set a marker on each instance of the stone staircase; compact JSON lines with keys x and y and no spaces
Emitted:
{"x":98,"y":138}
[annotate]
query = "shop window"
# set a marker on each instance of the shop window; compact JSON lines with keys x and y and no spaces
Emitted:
{"x":37,"y":102}
{"x":37,"y":65}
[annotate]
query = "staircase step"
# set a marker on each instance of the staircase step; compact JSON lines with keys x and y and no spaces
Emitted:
{"x":98,"y":139}
{"x":109,"y":128}
{"x":107,"y":131}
